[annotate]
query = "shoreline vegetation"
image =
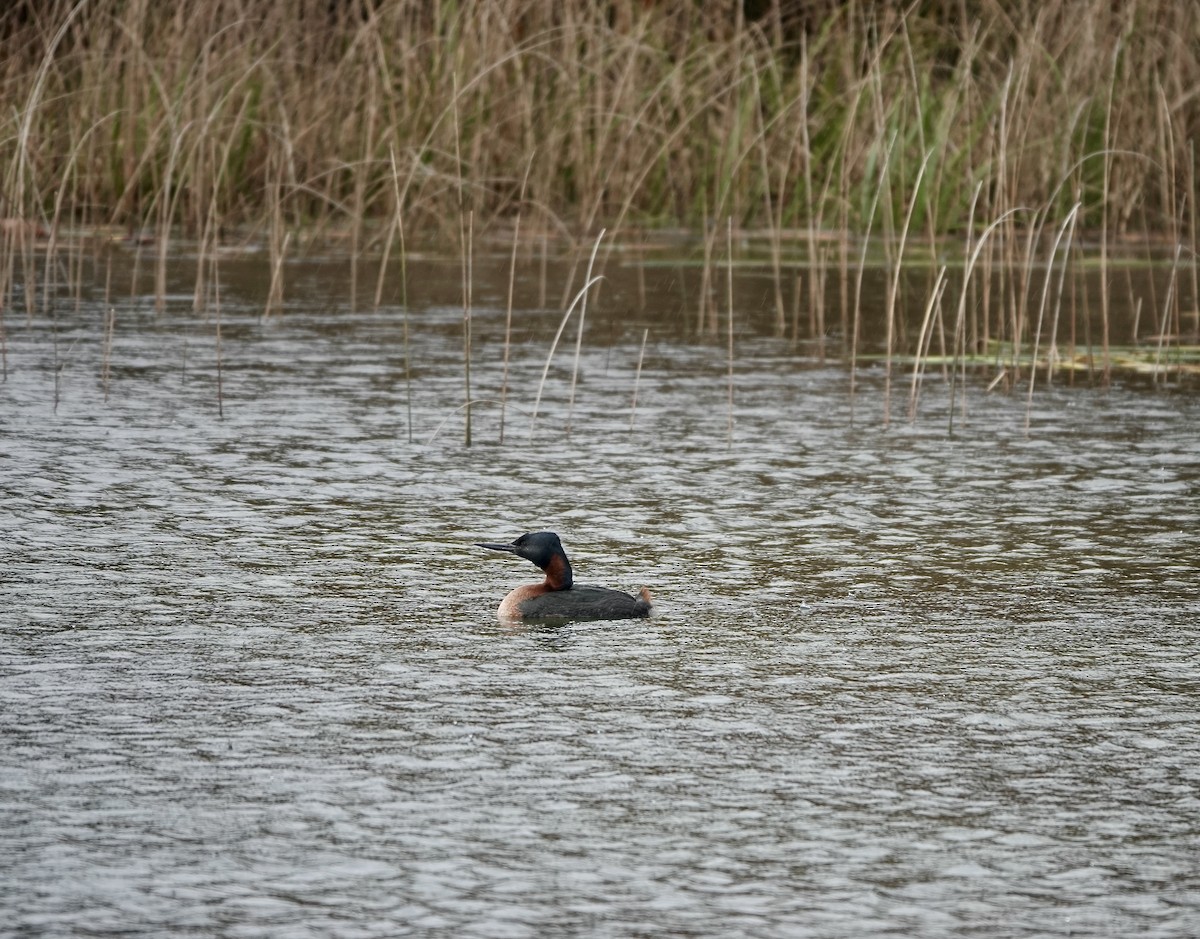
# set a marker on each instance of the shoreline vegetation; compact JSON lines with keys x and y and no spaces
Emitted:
{"x":1004,"y":147}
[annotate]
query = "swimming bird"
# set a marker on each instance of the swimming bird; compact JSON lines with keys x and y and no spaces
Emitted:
{"x":558,"y":596}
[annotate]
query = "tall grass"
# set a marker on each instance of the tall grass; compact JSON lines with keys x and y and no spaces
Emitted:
{"x":632,"y":114}
{"x":972,"y":129}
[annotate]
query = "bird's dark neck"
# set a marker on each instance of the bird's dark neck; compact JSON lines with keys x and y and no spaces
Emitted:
{"x":558,"y":573}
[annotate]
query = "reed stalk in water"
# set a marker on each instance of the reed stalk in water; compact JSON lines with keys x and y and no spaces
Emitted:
{"x":1192,"y":194}
{"x":637,"y":378}
{"x":862,"y":266}
{"x":508,"y":306}
{"x":1065,"y":230}
{"x":1069,"y":224}
{"x":894,"y":290}
{"x":579,"y":331}
{"x":553,"y":346}
{"x":110,"y":328}
{"x":8,"y":260}
{"x":396,"y":231}
{"x":468,"y":279}
{"x":275,"y":291}
{"x":923,"y":340}
{"x":58,"y":362}
{"x":467,"y":243}
{"x":1166,"y":316}
{"x":215,"y":272}
{"x":959,"y":334}
{"x":278,"y":238}
{"x":729,"y":327}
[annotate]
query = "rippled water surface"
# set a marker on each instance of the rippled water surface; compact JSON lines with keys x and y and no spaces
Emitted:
{"x":898,"y":683}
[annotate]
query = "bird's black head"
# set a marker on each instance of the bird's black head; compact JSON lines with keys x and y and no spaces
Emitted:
{"x":540,"y":547}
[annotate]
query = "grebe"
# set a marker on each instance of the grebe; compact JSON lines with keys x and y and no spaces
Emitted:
{"x":558,"y":596}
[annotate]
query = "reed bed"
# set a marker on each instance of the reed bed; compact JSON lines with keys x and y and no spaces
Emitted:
{"x":285,"y":116}
{"x":1014,"y":142}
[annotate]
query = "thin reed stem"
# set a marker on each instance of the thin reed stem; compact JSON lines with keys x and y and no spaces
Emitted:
{"x":960,"y":315}
{"x":275,"y":292}
{"x":729,"y":325}
{"x":216,"y":295}
{"x":924,"y":340}
{"x":110,"y":327}
{"x":637,"y":377}
{"x":468,"y":279}
{"x":894,"y":290}
{"x":579,"y":332}
{"x":862,"y":266}
{"x":305,"y":101}
{"x":1166,"y":318}
{"x":553,"y":346}
{"x":1064,"y":230}
{"x":508,"y":306}
{"x":398,"y":227}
